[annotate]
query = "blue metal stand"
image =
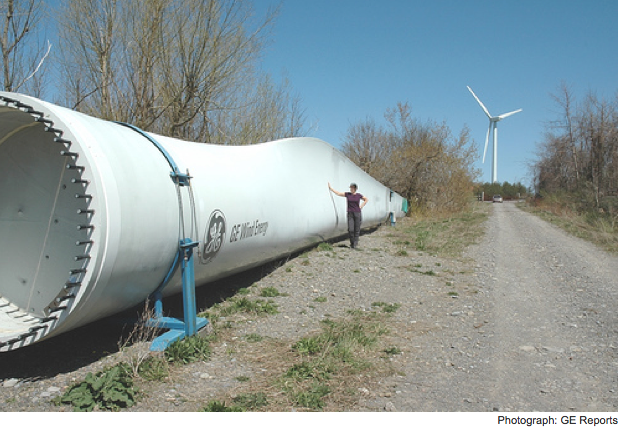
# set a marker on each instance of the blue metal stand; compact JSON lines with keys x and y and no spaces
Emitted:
{"x":185,"y":256}
{"x":191,"y":323}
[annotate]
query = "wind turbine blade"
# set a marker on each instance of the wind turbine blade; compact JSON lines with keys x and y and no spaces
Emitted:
{"x":504,"y":115}
{"x":487,"y":140}
{"x":480,"y":103}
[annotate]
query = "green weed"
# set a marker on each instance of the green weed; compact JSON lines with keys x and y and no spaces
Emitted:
{"x":271,"y":292}
{"x":254,"y":337}
{"x":188,"y":350}
{"x":250,"y":400}
{"x":112,"y":389}
{"x":308,"y":345}
{"x":153,"y":368}
{"x":316,"y":369}
{"x":217,"y":406}
{"x":312,"y":398}
{"x":388,"y":308}
{"x":243,"y":304}
{"x":426,"y":272}
{"x":393,"y":350}
{"x":325,"y":247}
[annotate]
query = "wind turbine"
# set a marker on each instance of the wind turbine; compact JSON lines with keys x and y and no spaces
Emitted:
{"x":493,"y":124}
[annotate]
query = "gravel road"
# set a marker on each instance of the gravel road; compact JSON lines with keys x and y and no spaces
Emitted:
{"x":544,"y":333}
{"x":524,"y":321}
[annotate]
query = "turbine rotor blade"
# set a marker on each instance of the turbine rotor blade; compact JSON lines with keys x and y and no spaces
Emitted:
{"x":487,"y":140}
{"x":504,"y":115}
{"x":480,"y":103}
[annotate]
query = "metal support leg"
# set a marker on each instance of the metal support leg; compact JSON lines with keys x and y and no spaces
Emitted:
{"x":191,"y":323}
{"x":158,"y":309}
{"x":189,"y":287}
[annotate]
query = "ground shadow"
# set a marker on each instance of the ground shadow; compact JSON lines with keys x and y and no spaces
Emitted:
{"x":90,"y":343}
{"x":78,"y":348}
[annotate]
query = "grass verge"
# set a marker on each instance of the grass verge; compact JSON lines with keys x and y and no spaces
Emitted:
{"x":321,"y":371}
{"x":442,"y":236}
{"x":599,"y":229}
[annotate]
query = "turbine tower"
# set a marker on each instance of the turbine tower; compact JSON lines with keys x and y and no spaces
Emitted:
{"x":493,"y":126}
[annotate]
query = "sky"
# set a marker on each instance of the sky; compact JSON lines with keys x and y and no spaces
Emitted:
{"x":349,"y":60}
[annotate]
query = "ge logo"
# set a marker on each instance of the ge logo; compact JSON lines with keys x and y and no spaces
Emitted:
{"x":214,"y":236}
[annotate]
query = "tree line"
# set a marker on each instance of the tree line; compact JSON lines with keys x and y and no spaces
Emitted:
{"x":508,"y":191}
{"x":578,"y":157}
{"x":182,"y":68}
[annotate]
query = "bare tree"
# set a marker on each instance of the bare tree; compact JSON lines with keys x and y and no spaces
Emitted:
{"x":22,"y":53}
{"x":265,"y":111}
{"x":90,"y":45}
{"x":579,"y":153}
{"x":566,"y":146}
{"x":366,"y":144}
{"x":421,"y":161}
{"x":181,"y":68}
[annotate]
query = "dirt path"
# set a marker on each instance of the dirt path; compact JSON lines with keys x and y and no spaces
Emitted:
{"x":543,"y":333}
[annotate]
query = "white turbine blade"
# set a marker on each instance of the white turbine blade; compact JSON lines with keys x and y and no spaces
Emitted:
{"x":504,"y":115}
{"x":480,"y":103}
{"x":487,"y":140}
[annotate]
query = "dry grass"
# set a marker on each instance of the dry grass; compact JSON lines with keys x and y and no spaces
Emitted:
{"x":322,"y":371}
{"x":599,"y":229}
{"x":134,"y":347}
{"x":445,"y":236}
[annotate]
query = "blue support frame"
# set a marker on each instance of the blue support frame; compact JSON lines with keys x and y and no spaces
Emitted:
{"x":191,"y":323}
{"x":185,"y":256}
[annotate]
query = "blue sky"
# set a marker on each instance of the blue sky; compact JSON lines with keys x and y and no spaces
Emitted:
{"x":353,"y":59}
